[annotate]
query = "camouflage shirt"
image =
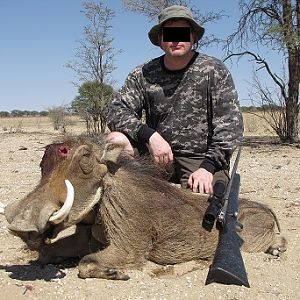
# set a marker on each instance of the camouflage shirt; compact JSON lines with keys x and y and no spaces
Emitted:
{"x":194,"y":109}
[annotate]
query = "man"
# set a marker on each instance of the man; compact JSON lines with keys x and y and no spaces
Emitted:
{"x":192,"y":116}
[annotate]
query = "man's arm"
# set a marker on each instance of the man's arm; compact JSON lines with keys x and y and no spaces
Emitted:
{"x":227,"y":129}
{"x":125,"y":113}
{"x":227,"y":121}
{"x":125,"y":110}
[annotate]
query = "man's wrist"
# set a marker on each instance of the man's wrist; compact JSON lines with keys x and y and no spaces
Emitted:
{"x":144,"y":134}
{"x":209,"y":165}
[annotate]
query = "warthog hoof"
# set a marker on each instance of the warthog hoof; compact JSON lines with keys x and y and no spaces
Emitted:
{"x":279,"y":247}
{"x":88,"y":268}
{"x":94,"y":272}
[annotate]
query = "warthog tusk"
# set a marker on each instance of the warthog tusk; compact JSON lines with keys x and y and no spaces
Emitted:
{"x":2,"y":207}
{"x":61,"y":214}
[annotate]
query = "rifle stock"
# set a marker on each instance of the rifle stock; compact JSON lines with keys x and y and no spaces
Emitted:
{"x":228,"y":265}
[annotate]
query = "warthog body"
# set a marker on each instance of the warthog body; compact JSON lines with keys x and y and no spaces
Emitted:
{"x":125,"y":214}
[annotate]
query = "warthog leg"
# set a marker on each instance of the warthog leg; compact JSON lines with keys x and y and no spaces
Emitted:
{"x":259,"y":229}
{"x":107,"y":264}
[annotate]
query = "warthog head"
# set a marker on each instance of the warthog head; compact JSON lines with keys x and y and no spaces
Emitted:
{"x":70,"y":186}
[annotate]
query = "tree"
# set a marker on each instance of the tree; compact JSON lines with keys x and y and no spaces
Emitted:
{"x":44,"y":113}
{"x":94,"y":64}
{"x":152,"y":8}
{"x":275,"y":25}
{"x":92,"y":103}
{"x":4,"y":114}
{"x":17,"y":113}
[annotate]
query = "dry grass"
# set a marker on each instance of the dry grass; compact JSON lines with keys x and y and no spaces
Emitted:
{"x":38,"y":124}
{"x":254,"y":125}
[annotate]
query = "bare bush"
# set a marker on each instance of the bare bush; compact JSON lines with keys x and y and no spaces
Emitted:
{"x":58,"y":116}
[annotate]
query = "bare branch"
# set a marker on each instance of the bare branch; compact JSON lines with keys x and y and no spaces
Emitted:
{"x":272,"y":107}
{"x":152,"y":8}
{"x":95,"y":54}
{"x":260,"y":22}
{"x":278,"y":81}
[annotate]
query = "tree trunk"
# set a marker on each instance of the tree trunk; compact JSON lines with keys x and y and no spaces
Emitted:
{"x":292,"y":105}
{"x":103,"y":123}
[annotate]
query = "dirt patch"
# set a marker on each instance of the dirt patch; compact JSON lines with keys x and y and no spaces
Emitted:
{"x":270,"y":174}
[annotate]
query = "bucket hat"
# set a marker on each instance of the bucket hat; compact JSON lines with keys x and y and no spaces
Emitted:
{"x":175,"y":12}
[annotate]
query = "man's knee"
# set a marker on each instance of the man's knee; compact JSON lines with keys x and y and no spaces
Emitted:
{"x":119,"y":138}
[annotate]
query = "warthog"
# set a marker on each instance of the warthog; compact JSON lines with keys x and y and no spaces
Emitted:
{"x":124,"y":211}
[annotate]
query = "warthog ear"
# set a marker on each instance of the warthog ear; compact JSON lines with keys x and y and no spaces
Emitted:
{"x":110,"y":155}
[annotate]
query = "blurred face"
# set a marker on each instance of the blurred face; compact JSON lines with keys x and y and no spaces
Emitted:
{"x":176,"y":42}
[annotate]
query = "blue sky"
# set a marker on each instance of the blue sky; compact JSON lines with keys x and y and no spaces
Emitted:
{"x":38,"y":37}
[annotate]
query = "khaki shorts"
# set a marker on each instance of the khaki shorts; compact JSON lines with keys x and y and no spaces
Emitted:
{"x":183,"y":167}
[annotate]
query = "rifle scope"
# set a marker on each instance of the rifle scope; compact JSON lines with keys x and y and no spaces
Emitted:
{"x":214,"y":207}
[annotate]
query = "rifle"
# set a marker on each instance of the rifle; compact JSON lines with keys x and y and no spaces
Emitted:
{"x":228,"y":265}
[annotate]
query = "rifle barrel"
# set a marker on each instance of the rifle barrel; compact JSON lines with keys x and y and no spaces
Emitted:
{"x":228,"y":265}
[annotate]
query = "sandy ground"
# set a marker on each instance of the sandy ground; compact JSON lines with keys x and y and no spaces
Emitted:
{"x":270,"y":174}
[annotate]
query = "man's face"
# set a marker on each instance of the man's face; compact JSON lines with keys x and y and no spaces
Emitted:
{"x":176,"y":48}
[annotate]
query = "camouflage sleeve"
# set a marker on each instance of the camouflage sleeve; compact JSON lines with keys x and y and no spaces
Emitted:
{"x":227,"y":121}
{"x":125,"y":110}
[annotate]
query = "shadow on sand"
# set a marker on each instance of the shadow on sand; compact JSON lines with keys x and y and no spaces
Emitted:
{"x":34,"y":271}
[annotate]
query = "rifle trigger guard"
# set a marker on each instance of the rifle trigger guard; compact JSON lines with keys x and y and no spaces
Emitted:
{"x":239,"y":226}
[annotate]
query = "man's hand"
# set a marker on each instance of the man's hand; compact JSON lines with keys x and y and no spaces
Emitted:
{"x":201,"y":181}
{"x":160,"y":149}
